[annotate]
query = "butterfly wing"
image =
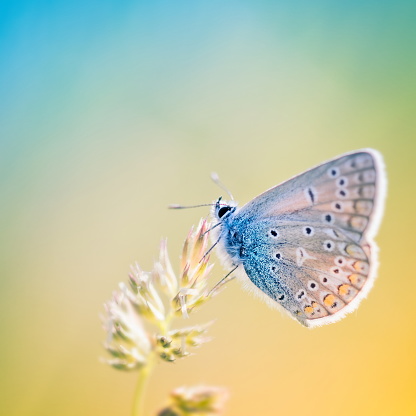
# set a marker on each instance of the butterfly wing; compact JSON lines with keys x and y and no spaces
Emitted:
{"x":308,"y":243}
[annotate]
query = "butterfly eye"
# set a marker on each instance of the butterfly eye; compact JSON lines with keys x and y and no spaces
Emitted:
{"x":223,"y":210}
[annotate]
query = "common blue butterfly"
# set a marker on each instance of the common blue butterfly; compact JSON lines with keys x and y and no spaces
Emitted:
{"x":306,"y":245}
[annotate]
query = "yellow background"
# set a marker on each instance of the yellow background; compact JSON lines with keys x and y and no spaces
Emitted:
{"x":112,"y":110}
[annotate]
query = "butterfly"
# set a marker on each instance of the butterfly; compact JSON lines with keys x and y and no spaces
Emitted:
{"x":306,"y":245}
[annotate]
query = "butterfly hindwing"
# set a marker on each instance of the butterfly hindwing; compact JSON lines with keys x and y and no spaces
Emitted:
{"x":307,"y":243}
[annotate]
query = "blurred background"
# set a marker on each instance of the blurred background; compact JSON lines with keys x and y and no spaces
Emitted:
{"x":111,"y":110}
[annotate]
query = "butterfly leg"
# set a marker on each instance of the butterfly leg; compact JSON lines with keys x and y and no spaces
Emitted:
{"x":227,"y":278}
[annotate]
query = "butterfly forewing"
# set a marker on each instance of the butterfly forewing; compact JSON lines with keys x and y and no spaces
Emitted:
{"x":307,"y":243}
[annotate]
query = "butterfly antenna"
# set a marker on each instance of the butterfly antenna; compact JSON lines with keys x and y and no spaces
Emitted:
{"x":177,"y":206}
{"x":216,"y":179}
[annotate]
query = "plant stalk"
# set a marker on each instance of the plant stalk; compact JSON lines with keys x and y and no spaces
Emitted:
{"x":139,"y":394}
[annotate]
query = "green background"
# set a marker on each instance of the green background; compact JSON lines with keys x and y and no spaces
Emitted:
{"x":111,"y":110}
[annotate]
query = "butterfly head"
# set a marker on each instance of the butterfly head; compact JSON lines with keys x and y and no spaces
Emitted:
{"x":223,"y":209}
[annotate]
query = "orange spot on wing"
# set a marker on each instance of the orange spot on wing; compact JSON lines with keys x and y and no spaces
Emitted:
{"x":308,"y":309}
{"x":361,"y":266}
{"x":357,"y":279}
{"x":329,"y":300}
{"x":344,"y":290}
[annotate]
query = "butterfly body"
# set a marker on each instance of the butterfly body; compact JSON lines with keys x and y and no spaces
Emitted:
{"x":307,"y":244}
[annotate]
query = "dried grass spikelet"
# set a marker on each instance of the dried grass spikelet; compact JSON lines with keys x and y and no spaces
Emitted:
{"x":138,"y":317}
{"x":197,"y":400}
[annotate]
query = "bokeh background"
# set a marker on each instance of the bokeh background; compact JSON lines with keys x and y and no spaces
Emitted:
{"x":111,"y":110}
